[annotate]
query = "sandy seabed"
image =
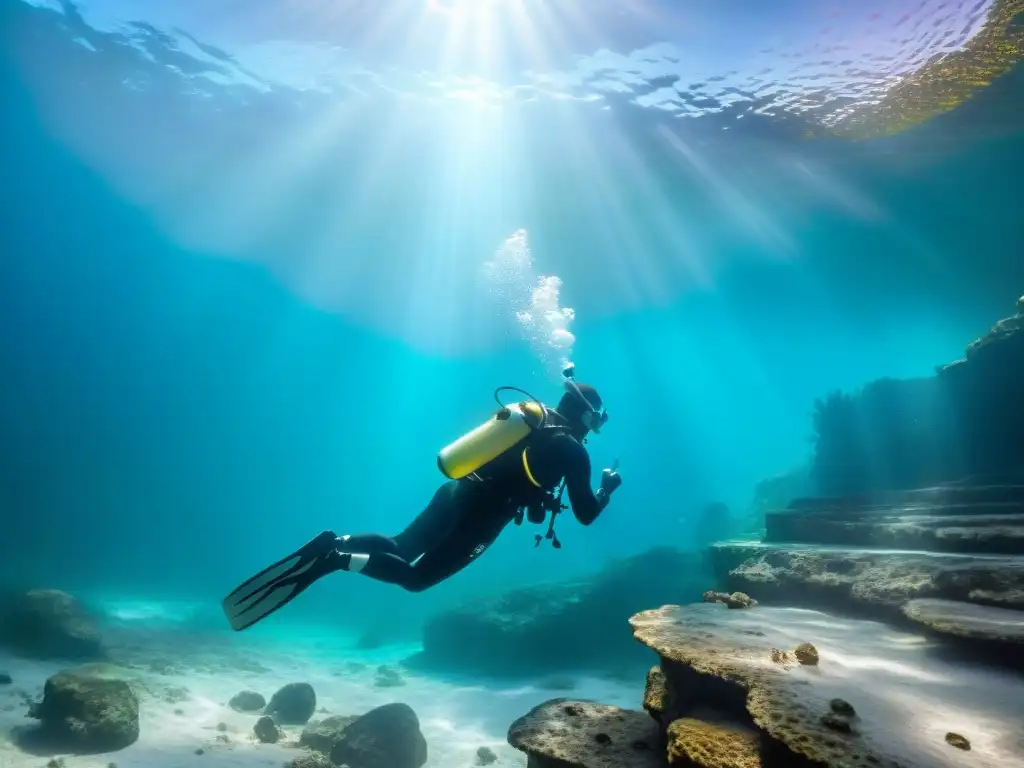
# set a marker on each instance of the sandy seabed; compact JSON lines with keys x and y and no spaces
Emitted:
{"x":185,"y":684}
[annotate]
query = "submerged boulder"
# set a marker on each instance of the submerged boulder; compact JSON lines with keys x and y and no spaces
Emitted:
{"x":293,"y":704}
{"x":84,"y":713}
{"x":562,"y":626}
{"x":266,"y":730}
{"x":385,"y":737}
{"x":322,"y":735}
{"x":247,"y":701}
{"x":564,"y":733}
{"x":50,"y":624}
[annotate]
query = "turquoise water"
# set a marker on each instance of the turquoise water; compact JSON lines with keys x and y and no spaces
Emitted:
{"x":244,"y":295}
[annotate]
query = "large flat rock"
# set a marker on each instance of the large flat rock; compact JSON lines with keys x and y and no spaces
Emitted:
{"x":906,"y":697}
{"x":976,"y":622}
{"x":851,"y":577}
{"x":989,"y":528}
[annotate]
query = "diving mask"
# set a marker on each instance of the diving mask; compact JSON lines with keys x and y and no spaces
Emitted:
{"x":592,"y":418}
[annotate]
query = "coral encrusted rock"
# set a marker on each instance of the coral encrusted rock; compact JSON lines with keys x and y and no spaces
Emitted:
{"x":564,"y":733}
{"x":708,"y":745}
{"x":84,"y":713}
{"x":722,"y":661}
{"x":50,"y":624}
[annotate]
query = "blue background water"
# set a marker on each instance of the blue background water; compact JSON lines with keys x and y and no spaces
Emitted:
{"x":229,"y":322}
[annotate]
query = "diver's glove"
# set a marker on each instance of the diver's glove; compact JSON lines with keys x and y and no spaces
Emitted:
{"x":610,"y":480}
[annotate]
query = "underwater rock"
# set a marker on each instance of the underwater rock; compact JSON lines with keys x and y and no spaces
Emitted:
{"x":879,"y":582}
{"x":293,"y":704}
{"x":512,"y":634}
{"x":563,"y":733}
{"x":266,"y":730}
{"x":958,"y":741}
{"x":50,"y":624}
{"x":806,"y":654}
{"x":967,"y":620}
{"x":388,"y":677}
{"x":659,"y":697}
{"x":955,"y":518}
{"x":964,"y":422}
{"x":485,"y":756}
{"x":247,"y":701}
{"x":321,"y":736}
{"x":715,"y":597}
{"x":842,"y":707}
{"x":708,"y":745}
{"x":720,"y":660}
{"x":83,"y":713}
{"x":385,"y":737}
{"x":311,"y":760}
{"x":5,"y":679}
{"x":836,"y":723}
{"x":734,"y":600}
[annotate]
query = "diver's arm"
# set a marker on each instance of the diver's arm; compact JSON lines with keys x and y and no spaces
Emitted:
{"x":586,"y":505}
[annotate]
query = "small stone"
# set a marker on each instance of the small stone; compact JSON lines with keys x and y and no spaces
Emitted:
{"x":806,"y":654}
{"x":55,"y":762}
{"x":111,"y":765}
{"x":247,"y":701}
{"x":200,"y":751}
{"x":5,"y":679}
{"x":223,"y":738}
{"x":266,"y":730}
{"x":842,"y":707}
{"x":179,"y":711}
{"x":836,"y":723}
{"x":779,"y":657}
{"x":485,"y":756}
{"x":740,"y":600}
{"x":603,"y":738}
{"x":222,"y":727}
{"x":958,"y":741}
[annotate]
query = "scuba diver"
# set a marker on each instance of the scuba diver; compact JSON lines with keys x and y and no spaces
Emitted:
{"x":516,"y":463}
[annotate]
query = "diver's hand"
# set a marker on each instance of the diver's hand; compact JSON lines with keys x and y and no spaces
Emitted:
{"x":610,"y":480}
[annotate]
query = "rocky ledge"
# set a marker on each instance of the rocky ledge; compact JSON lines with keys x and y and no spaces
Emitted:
{"x":881,"y":583}
{"x":825,"y":691}
{"x":786,"y":688}
{"x":951,"y":518}
{"x":974,"y":622}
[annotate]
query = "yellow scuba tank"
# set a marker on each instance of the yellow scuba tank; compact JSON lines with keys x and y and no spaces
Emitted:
{"x":506,"y":427}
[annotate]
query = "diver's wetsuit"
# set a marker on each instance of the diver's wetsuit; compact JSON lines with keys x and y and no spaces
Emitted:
{"x":466,"y":516}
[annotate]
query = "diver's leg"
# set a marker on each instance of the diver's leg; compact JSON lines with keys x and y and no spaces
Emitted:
{"x":426,"y":530}
{"x":430,"y":527}
{"x":457,"y":550}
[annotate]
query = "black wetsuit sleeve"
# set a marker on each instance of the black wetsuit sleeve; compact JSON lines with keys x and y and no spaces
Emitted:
{"x":586,"y":505}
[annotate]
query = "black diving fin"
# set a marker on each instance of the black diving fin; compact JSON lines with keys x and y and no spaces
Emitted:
{"x":278,"y":584}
